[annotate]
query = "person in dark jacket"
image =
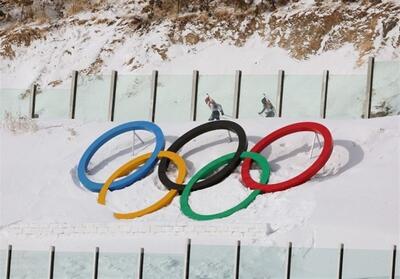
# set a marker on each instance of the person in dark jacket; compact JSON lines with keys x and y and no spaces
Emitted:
{"x":268,"y":108}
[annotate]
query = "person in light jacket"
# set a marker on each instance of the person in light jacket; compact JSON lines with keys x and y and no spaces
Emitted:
{"x":215,"y":108}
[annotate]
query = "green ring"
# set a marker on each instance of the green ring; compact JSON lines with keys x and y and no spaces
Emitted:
{"x":211,"y":167}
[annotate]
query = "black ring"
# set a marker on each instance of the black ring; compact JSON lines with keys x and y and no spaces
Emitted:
{"x":217,"y":177}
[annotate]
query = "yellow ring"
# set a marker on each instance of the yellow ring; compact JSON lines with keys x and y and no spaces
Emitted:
{"x":133,"y":164}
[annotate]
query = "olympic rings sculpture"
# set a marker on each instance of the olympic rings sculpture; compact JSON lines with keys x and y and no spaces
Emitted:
{"x":211,"y":174}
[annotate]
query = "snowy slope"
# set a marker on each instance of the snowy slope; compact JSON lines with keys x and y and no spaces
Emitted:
{"x":303,"y":38}
{"x":354,"y":199}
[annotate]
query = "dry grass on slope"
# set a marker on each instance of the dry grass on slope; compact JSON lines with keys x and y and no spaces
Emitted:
{"x":324,"y":28}
{"x":18,"y":36}
{"x":303,"y":32}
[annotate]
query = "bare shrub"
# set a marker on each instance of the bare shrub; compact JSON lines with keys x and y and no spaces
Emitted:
{"x":21,"y":37}
{"x":18,"y":124}
{"x":77,"y":6}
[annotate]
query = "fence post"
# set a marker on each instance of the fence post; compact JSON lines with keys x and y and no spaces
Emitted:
{"x":187,"y":259}
{"x":51,"y":262}
{"x":279,"y":97}
{"x":113,"y":91}
{"x":324,"y":93}
{"x":393,"y":269}
{"x":96,"y":263}
{"x":141,"y":260}
{"x":195,"y":90}
{"x":8,"y":262}
{"x":289,"y":260}
{"x":237,"y":261}
{"x":370,"y":79}
{"x":153,"y":95}
{"x":32,"y":102}
{"x":74,"y":86}
{"x":236,"y":97}
{"x":340,"y":263}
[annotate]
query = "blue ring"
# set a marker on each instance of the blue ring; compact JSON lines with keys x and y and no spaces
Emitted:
{"x":132,"y":178}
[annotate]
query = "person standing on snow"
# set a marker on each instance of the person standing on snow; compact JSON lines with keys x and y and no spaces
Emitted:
{"x":216,"y":108}
{"x":268,"y":108}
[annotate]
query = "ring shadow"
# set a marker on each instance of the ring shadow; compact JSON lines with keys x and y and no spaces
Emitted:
{"x":190,"y":165}
{"x":99,"y":166}
{"x":273,"y":163}
{"x":102,"y":164}
{"x":356,"y":155}
{"x":220,"y":141}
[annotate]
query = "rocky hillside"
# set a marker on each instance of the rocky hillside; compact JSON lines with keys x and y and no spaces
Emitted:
{"x":44,"y":40}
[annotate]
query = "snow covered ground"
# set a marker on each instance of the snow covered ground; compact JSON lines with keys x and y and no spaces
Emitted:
{"x":354,"y":199}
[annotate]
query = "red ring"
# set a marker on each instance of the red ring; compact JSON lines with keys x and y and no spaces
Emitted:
{"x":302,"y":177}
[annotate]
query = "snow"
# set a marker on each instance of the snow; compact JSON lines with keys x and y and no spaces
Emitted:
{"x":255,"y":58}
{"x":77,"y":47}
{"x":210,"y":57}
{"x":354,"y":199}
